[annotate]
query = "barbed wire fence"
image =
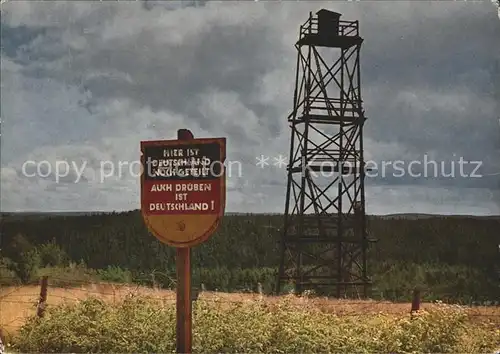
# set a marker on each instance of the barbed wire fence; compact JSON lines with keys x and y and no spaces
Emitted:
{"x":19,"y":302}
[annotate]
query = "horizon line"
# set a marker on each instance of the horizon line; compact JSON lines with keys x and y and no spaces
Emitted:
{"x":236,"y":212}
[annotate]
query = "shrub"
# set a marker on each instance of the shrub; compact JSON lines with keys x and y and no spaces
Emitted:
{"x":115,"y":274}
{"x":52,"y":255}
{"x":25,"y":259}
{"x":7,"y":276}
{"x":140,"y":324}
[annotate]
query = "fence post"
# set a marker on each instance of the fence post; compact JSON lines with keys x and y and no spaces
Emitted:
{"x":415,"y":304}
{"x":43,"y":296}
{"x":259,"y":288}
{"x":153,"y":280}
{"x":2,"y":341}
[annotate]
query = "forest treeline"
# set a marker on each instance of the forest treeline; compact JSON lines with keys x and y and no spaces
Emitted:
{"x":458,"y":255}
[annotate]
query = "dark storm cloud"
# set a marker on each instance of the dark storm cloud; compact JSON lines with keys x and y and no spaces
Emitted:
{"x":224,"y":58}
{"x":435,"y":60}
{"x":436,"y":53}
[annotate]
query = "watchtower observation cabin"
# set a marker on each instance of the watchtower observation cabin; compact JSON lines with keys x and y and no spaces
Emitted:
{"x":327,"y":30}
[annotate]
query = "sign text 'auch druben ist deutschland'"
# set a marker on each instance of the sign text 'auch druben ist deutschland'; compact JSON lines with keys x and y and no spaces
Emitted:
{"x":183,"y":189}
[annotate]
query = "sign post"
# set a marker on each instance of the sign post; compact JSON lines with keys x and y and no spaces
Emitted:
{"x":183,"y":197}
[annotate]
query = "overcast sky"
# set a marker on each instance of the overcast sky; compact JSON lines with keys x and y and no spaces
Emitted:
{"x":85,"y":82}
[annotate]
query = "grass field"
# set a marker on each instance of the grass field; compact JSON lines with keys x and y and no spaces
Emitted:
{"x":18,"y":303}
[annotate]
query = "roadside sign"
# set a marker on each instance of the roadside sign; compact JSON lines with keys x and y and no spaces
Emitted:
{"x":183,"y":189}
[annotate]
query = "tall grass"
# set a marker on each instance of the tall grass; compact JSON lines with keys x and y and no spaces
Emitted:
{"x":141,"y":324}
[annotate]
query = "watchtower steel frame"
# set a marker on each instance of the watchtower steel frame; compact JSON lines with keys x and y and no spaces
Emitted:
{"x":324,"y":243}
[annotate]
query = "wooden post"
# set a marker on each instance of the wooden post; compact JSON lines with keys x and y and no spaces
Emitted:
{"x":415,"y":304}
{"x":2,"y":341}
{"x":43,"y":296}
{"x":183,"y":299}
